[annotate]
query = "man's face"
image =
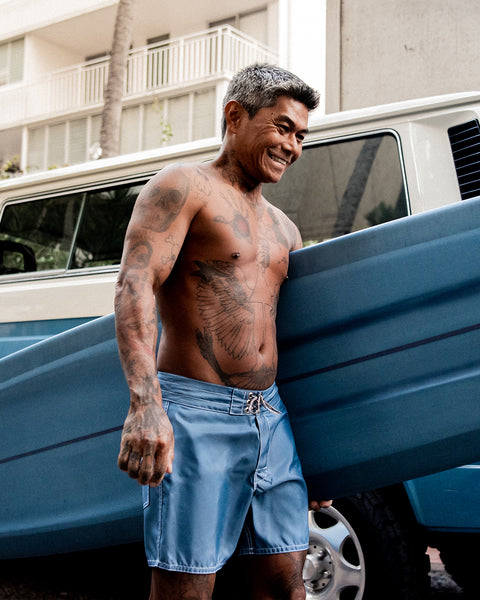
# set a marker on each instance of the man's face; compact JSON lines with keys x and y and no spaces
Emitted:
{"x":271,"y":141}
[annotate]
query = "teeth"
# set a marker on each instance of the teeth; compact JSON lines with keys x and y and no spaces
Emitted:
{"x":278,"y":159}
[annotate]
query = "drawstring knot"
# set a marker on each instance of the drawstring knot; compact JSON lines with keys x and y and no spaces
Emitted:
{"x":255,"y":401}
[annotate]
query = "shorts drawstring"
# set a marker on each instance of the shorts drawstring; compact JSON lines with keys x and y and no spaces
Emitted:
{"x":255,"y":401}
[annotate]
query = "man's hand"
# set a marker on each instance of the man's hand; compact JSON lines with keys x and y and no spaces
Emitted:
{"x":146,"y":449}
{"x":318,"y":504}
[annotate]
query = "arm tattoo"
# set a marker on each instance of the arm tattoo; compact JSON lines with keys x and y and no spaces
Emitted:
{"x":140,"y":255}
{"x":167,"y":204}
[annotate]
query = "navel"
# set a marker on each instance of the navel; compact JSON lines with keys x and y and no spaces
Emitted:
{"x":235,"y":254}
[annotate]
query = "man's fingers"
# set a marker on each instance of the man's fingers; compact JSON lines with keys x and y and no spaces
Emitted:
{"x":129,"y":460}
{"x":163,"y":465}
{"x":134,"y":464}
{"x":318,"y":504}
{"x":124,"y":456}
{"x":146,"y":469}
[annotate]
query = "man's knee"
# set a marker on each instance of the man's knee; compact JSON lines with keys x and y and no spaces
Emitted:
{"x":299,"y":593}
{"x":278,"y":577}
{"x":285,"y":589}
{"x":172,"y":585}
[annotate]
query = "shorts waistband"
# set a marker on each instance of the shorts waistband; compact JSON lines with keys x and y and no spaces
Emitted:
{"x":222,"y":398}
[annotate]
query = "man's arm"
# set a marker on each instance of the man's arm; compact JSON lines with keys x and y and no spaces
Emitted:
{"x":156,"y":232}
{"x":298,"y":244}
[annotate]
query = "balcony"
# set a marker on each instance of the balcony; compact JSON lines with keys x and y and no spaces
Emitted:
{"x":204,"y":57}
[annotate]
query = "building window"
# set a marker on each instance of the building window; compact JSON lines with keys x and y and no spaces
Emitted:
{"x":56,"y":145}
{"x":11,"y":62}
{"x":77,"y":141}
{"x":204,"y":122}
{"x":174,"y":120}
{"x":36,"y":149}
{"x":65,"y":143}
{"x":10,"y":145}
{"x":253,"y":23}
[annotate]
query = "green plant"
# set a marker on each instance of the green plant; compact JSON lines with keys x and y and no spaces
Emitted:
{"x":166,"y":128}
{"x":10,"y":168}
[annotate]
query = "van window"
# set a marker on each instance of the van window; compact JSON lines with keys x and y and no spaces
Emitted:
{"x":71,"y":231}
{"x":103,"y":224}
{"x":37,"y":236}
{"x":343,"y":186}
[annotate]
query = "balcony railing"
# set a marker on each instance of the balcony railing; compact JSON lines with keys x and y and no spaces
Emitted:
{"x":204,"y":56}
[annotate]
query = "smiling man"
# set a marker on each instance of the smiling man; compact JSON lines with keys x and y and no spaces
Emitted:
{"x":207,"y":249}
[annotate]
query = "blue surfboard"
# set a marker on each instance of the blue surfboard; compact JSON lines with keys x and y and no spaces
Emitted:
{"x":379,"y":354}
{"x":379,"y":338}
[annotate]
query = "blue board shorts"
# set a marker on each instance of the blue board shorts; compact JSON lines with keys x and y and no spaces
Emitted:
{"x":236,"y":485}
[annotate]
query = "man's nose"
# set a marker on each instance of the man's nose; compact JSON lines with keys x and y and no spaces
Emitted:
{"x":293,"y":145}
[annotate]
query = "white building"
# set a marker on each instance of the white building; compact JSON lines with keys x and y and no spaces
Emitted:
{"x":54,"y":66}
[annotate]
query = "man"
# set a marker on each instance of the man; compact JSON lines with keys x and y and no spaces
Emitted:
{"x":211,"y":253}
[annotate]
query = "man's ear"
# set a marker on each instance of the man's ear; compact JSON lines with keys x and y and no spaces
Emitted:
{"x":233,"y":115}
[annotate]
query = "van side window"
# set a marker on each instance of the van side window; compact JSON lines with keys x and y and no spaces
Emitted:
{"x":37,"y":235}
{"x":103,"y":224}
{"x":343,"y":186}
{"x":71,"y":231}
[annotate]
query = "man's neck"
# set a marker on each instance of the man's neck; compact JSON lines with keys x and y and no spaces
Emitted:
{"x":233,"y":172}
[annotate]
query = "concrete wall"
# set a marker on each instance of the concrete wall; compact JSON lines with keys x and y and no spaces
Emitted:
{"x":387,"y":50}
{"x":43,"y":56}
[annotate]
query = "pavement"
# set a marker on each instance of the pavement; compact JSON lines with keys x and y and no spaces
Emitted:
{"x":120,"y":573}
{"x":442,"y":585}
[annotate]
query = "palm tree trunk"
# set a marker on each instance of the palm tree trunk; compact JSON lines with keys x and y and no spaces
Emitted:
{"x":112,"y":110}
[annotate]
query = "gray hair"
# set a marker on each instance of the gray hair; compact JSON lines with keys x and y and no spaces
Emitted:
{"x":260,"y":85}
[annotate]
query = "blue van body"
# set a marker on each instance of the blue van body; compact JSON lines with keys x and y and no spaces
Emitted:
{"x":447,"y":502}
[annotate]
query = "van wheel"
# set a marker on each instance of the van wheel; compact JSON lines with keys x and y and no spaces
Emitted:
{"x":334,"y":567}
{"x":366,"y":548}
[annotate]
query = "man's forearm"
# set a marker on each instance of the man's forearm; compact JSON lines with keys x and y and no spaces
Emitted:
{"x":137,"y":331}
{"x":147,"y":444}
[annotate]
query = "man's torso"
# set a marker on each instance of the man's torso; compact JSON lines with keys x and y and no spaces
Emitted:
{"x":218,"y":305}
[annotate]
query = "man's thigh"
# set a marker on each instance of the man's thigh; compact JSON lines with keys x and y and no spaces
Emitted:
{"x":264,"y":577}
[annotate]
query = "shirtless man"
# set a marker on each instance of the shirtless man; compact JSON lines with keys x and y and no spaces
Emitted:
{"x":211,"y":253}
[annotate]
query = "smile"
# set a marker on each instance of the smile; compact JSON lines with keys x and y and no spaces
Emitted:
{"x":279,"y":160}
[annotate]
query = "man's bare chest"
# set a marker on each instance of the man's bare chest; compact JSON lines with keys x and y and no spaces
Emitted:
{"x":247,"y":236}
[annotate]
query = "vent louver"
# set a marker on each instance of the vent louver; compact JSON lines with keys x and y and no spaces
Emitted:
{"x":465,"y":143}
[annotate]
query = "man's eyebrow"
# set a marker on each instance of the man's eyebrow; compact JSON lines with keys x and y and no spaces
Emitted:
{"x":291,"y":123}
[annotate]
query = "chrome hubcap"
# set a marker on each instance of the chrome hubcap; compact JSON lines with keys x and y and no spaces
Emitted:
{"x":335,"y":559}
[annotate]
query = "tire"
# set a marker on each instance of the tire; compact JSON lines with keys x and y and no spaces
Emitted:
{"x":459,"y":554}
{"x":367,"y":547}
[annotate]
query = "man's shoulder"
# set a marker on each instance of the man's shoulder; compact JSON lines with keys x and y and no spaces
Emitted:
{"x":283,"y":221}
{"x":177,"y":172}
{"x":185,"y":179}
{"x":276,"y":214}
